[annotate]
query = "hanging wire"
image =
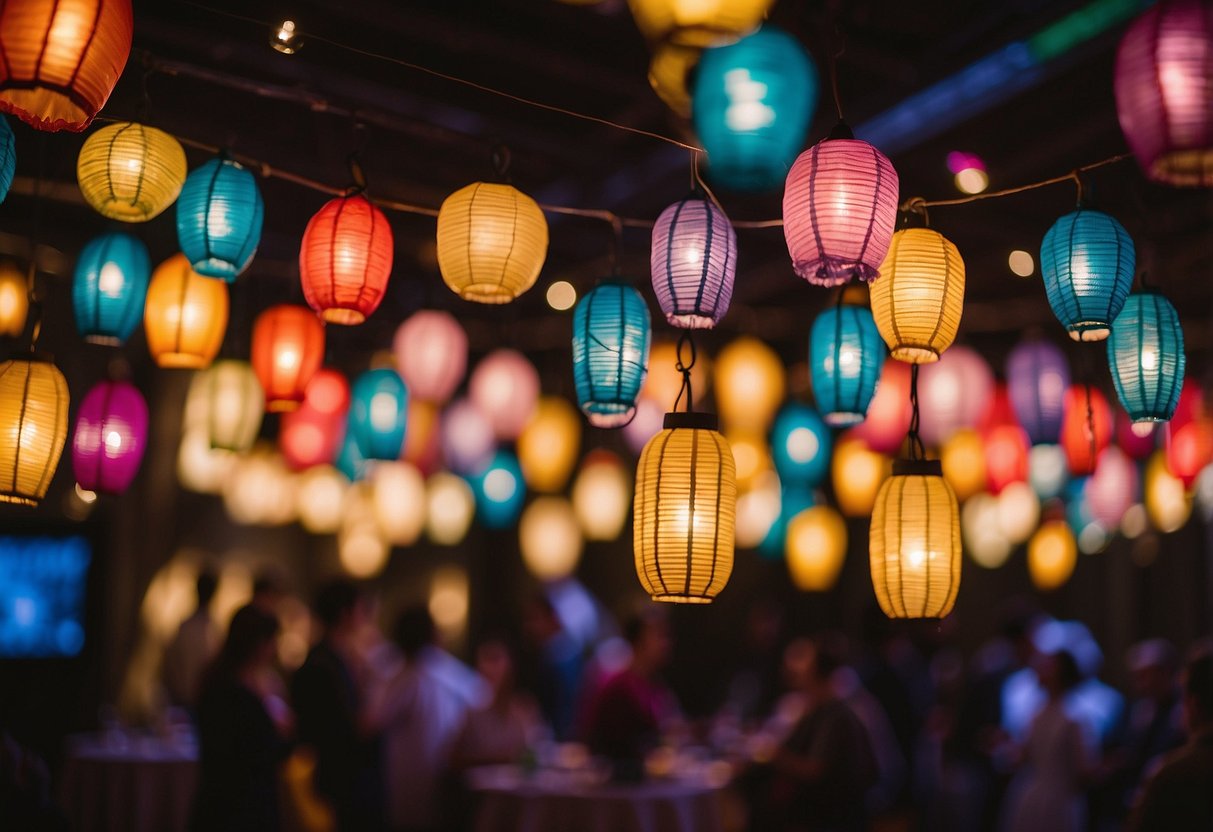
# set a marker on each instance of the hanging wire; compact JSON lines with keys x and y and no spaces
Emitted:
{"x":685,"y":367}
{"x":1066,"y":177}
{"x":837,"y":50}
{"x":1079,"y":197}
{"x":1091,"y":423}
{"x":916,"y":448}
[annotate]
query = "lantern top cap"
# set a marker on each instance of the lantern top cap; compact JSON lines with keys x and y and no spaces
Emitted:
{"x":917,"y":468}
{"x":691,"y":421}
{"x":841,"y":130}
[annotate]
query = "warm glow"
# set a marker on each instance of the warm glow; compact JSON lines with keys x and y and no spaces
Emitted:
{"x":749,"y":384}
{"x":816,"y":547}
{"x":399,"y":499}
{"x":918,"y":299}
{"x":548,"y":445}
{"x":758,"y":510}
{"x":561,"y":295}
{"x":972,"y":181}
{"x":320,"y":499}
{"x":751,"y":456}
{"x":1018,"y":512}
{"x":984,"y":541}
{"x":450,"y":507}
{"x":697,"y":23}
{"x":1167,"y":502}
{"x":550,"y":538}
{"x":261,"y":490}
{"x":33,"y":428}
{"x":361,"y":548}
{"x":185,"y":315}
{"x":1021,"y":263}
{"x":664,"y":381}
{"x":14,"y":300}
{"x":130,"y":172}
{"x":857,"y":475}
{"x":200,"y":467}
{"x":448,"y":601}
{"x":1052,"y":555}
{"x":602,"y":496}
{"x":964,"y":463}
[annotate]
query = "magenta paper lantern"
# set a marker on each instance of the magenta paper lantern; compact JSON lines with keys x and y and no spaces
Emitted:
{"x":694,"y":262}
{"x":505,"y":388}
{"x":111,"y":435}
{"x":1137,"y":439}
{"x":431,"y":355}
{"x":839,"y":210}
{"x":953,"y":393}
{"x":1164,"y":91}
{"x":468,"y":443}
{"x":1038,"y":376}
{"x":888,"y":418}
{"x":1112,"y":488}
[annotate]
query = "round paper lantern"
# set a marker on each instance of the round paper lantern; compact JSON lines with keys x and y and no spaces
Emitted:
{"x":1087,"y":261}
{"x":963,"y":459}
{"x":467,"y":438}
{"x":231,"y":404}
{"x":500,"y":491}
{"x":14,"y":300}
{"x":219,"y":216}
{"x":602,"y":496}
{"x":62,"y":59}
{"x":839,"y":210}
{"x":308,"y":438}
{"x":345,"y":259}
{"x":846,"y":354}
{"x":33,"y":428}
{"x":694,"y":263}
{"x":754,"y":101}
{"x":1146,"y":356}
{"x":663,"y":381}
{"x":1189,"y":449}
{"x":200,"y":467}
{"x":550,"y":538}
{"x":431,"y":351}
{"x":700,"y":23}
{"x":8,"y":158}
{"x":954,"y":393}
{"x":260,"y":490}
{"x":1052,"y":555}
{"x":130,"y":172}
{"x":816,"y":548}
{"x":505,"y":388}
{"x":492,"y":241}
{"x":449,"y":508}
{"x":1112,"y":488}
{"x":611,"y":335}
{"x":379,"y":404}
{"x":1086,"y":428}
{"x":984,"y":541}
{"x":1168,"y":504}
{"x":548,"y":445}
{"x":110,"y":438}
{"x":288,"y":349}
{"x":1048,"y":471}
{"x":857,"y":473}
{"x":109,"y":288}
{"x":320,"y":499}
{"x":749,"y":383}
{"x":184,"y":316}
{"x":398,"y":498}
{"x":327,"y":393}
{"x":914,"y":542}
{"x":1164,"y":74}
{"x":1018,"y":512}
{"x":1038,"y":376}
{"x":800,"y":445}
{"x":919,"y":298}
{"x":888,"y":419}
{"x":1006,"y":446}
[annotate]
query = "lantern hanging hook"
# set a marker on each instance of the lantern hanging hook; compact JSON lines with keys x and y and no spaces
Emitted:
{"x":917,"y":205}
{"x":357,"y":175}
{"x":1080,"y":197}
{"x":685,"y":366}
{"x":501,"y":161}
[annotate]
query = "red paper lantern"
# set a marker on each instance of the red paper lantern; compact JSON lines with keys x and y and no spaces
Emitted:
{"x":328,"y":392}
{"x":345,"y":259}
{"x":1006,"y":445}
{"x":1086,"y":428}
{"x":288,"y":346}
{"x":309,"y":437}
{"x":1189,"y":435}
{"x":888,"y":419}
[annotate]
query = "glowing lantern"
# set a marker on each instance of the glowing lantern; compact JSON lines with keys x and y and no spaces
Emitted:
{"x":984,"y":541}
{"x":1037,"y":379}
{"x":185,"y":315}
{"x":1146,"y":356}
{"x":846,"y":354}
{"x":431,"y":351}
{"x":857,"y":473}
{"x":398,"y":499}
{"x":749,"y":382}
{"x":288,"y":348}
{"x":260,"y":491}
{"x":888,"y":417}
{"x":421,"y":440}
{"x":492,"y":241}
{"x":663,"y":380}
{"x":694,"y":263}
{"x":229,"y":404}
{"x":1189,"y":449}
{"x":505,"y":388}
{"x":1018,"y":512}
{"x":200,"y":467}
{"x":800,"y":445}
{"x":219,"y":217}
{"x":499,"y":491}
{"x":110,"y":438}
{"x":130,"y":172}
{"x":611,"y":334}
{"x":1168,"y":503}
{"x":360,"y":547}
{"x":327,"y":393}
{"x":8,"y":158}
{"x":379,"y":404}
{"x":963,"y":458}
{"x":14,"y":300}
{"x":1048,"y":471}
{"x":751,"y":456}
{"x":1086,"y":428}
{"x":548,"y":445}
{"x":1137,"y":439}
{"x":697,"y":23}
{"x":1087,"y":260}
{"x":308,"y":437}
{"x":109,"y":288}
{"x":450,"y":506}
{"x":1006,"y":446}
{"x":602,"y":495}
{"x":1052,"y":555}
{"x":345,"y":259}
{"x":320,"y":499}
{"x":816,"y":548}
{"x":918,"y":300}
{"x":954,"y":393}
{"x":1112,"y":488}
{"x":550,"y":538}
{"x":33,"y":428}
{"x":467,"y":438}
{"x":62,"y":59}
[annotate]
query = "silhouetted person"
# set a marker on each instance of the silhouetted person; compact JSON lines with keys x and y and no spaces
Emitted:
{"x":193,"y":647}
{"x":502,"y":729}
{"x":556,"y":665}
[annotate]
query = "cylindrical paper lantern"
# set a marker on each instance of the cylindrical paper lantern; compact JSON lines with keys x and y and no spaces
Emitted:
{"x":857,"y":473}
{"x":345,"y":259}
{"x":963,"y":459}
{"x":1086,"y":428}
{"x":919,"y":298}
{"x":800,"y":445}
{"x":110,"y":438}
{"x":611,"y":335}
{"x":1146,"y":356}
{"x":378,"y":409}
{"x":550,"y":538}
{"x":1052,"y":555}
{"x":1087,"y":261}
{"x":816,"y":548}
{"x":130,"y":172}
{"x":694,"y":262}
{"x":500,"y":491}
{"x":1038,"y":376}
{"x":33,"y":428}
{"x":888,"y":419}
{"x":1006,"y":445}
{"x":431,"y":351}
{"x":699,"y":23}
{"x":109,"y":288}
{"x":185,"y":315}
{"x":14,"y":300}
{"x":954,"y":393}
{"x":1112,"y":488}
{"x":1168,"y":503}
{"x":467,"y":438}
{"x":288,"y":349}
{"x":749,"y":381}
{"x":219,"y":216}
{"x":398,"y":497}
{"x":548,"y":445}
{"x":602,"y":495}
{"x":8,"y":158}
{"x":846,"y":355}
{"x":231,"y":402}
{"x":505,"y":388}
{"x":320,"y":499}
{"x":450,"y":506}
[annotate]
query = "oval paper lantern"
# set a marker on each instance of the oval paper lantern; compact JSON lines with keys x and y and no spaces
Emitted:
{"x":749,"y":381}
{"x":450,"y":507}
{"x":602,"y":495}
{"x":1086,"y":428}
{"x":492,"y":241}
{"x":1048,"y":471}
{"x":1112,"y":488}
{"x":431,"y":352}
{"x":467,"y":438}
{"x":699,"y":23}
{"x":379,"y":406}
{"x":232,"y":402}
{"x":694,"y":262}
{"x":130,"y":172}
{"x":816,"y":548}
{"x":1146,"y":356}
{"x":550,"y":539}
{"x":1052,"y":555}
{"x":1018,"y":512}
{"x":1087,"y":261}
{"x":953,"y":393}
{"x":8,"y":158}
{"x":308,"y":438}
{"x":1168,"y":503}
{"x":398,"y":500}
{"x":345,"y":259}
{"x":919,"y":298}
{"x":219,"y":217}
{"x":963,"y":459}
{"x":185,"y":315}
{"x":14,"y":300}
{"x":109,"y":288}
{"x":800,"y":445}
{"x":33,"y":428}
{"x":548,"y":445}
{"x":320,"y":499}
{"x":857,"y":473}
{"x":288,"y":349}
{"x":500,"y":491}
{"x":888,"y":419}
{"x":1038,"y":376}
{"x":1006,"y":445}
{"x":110,"y":438}
{"x":62,"y":59}
{"x":611,"y":335}
{"x":984,"y":541}
{"x":846,"y":355}
{"x":505,"y":388}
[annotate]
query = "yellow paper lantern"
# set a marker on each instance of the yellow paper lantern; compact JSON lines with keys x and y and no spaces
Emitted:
{"x":663,"y":380}
{"x":226,"y":400}
{"x":1052,"y":555}
{"x":984,"y":541}
{"x":749,"y":383}
{"x":919,"y":297}
{"x":185,"y":315}
{"x":684,"y":511}
{"x":963,"y":458}
{"x":492,"y":241}
{"x":857,"y":473}
{"x":33,"y":427}
{"x":550,"y":538}
{"x":1168,"y":505}
{"x":1018,"y":512}
{"x":14,"y":300}
{"x":361,"y":548}
{"x":398,"y":494}
{"x":698,"y":22}
{"x":130,"y":172}
{"x":914,"y":543}
{"x":751,"y":456}
{"x":200,"y":467}
{"x":261,"y":489}
{"x":602,"y":496}
{"x":450,"y":506}
{"x":816,"y":547}
{"x":670,"y":73}
{"x":548,"y":445}
{"x":320,"y":499}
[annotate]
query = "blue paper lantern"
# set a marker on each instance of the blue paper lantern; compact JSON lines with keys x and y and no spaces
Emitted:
{"x":1038,"y":376}
{"x":219,"y":216}
{"x":611,"y":336}
{"x":1087,"y":260}
{"x":8,"y":157}
{"x":846,"y":354}
{"x":793,"y":499}
{"x":500,"y":491}
{"x":753,"y":103}
{"x":800,"y":446}
{"x":350,"y":460}
{"x":379,"y":405}
{"x":109,"y":287}
{"x":1146,"y":356}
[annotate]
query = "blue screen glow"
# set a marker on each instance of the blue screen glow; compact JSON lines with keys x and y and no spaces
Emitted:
{"x":42,"y":581}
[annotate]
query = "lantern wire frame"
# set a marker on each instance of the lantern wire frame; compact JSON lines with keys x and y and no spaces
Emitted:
{"x":919,"y":298}
{"x":1146,"y":357}
{"x":130,"y":172}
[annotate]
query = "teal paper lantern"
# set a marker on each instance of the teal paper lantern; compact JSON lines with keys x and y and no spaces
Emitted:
{"x":350,"y":460}
{"x":753,"y":103}
{"x":800,"y":446}
{"x":379,"y":405}
{"x":793,"y":499}
{"x":1146,"y":356}
{"x":8,"y":157}
{"x":109,"y":287}
{"x":500,"y":491}
{"x":1087,"y":260}
{"x":846,"y":354}
{"x":611,"y":336}
{"x":219,"y":216}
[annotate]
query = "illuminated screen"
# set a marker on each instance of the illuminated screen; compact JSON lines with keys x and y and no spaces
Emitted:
{"x":42,"y":581}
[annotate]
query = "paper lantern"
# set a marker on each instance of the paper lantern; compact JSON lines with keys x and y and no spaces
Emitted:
{"x":749,"y":384}
{"x":327,"y":393}
{"x":857,"y":473}
{"x":1086,"y":428}
{"x":398,"y":498}
{"x":1164,"y":75}
{"x":816,"y":548}
{"x":308,"y":438}
{"x":698,"y":23}
{"x":754,"y":101}
{"x":611,"y":335}
{"x":839,"y":210}
{"x":1168,"y":503}
{"x":505,"y":388}
{"x":231,"y":403}
{"x":8,"y":158}
{"x":1006,"y":445}
{"x":130,"y":172}
{"x":1018,"y":512}
{"x":450,"y":506}
{"x":694,"y":263}
{"x":14,"y":300}
{"x":548,"y":445}
{"x":846,"y":354}
{"x":963,"y":459}
{"x":422,"y":441}
{"x":914,"y":543}
{"x":663,"y":381}
{"x":984,"y":541}
{"x":219,"y":217}
{"x":184,"y":316}
{"x":361,"y":548}
{"x":260,"y":490}
{"x":1048,"y":471}
{"x":33,"y":428}
{"x":953,"y":393}
{"x":110,"y":437}
{"x":288,"y":349}
{"x":467,"y":438}
{"x":345,"y":259}
{"x":62,"y":59}
{"x":109,"y":288}
{"x":431,"y":351}
{"x":602,"y":496}
{"x":793,"y":499}
{"x":1087,"y":261}
{"x":1052,"y":555}
{"x":492,"y":241}
{"x":1112,"y":488}
{"x":499,"y":491}
{"x":888,"y":419}
{"x":684,"y":511}
{"x":1137,"y":439}
{"x":1037,"y":379}
{"x":550,"y":538}
{"x":919,"y":298}
{"x":800,"y":445}
{"x":320,"y":499}
{"x":379,"y":405}
{"x":1189,"y":449}
{"x":1146,"y":356}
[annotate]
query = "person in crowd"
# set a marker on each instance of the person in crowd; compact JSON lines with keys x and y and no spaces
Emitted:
{"x":193,"y":647}
{"x":241,"y":744}
{"x":556,"y":665}
{"x":755,"y":686}
{"x":268,"y":591}
{"x":502,"y":730}
{"x":1180,"y":795}
{"x":331,"y":698}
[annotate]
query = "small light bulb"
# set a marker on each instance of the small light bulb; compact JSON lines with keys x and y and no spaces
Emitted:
{"x":972,"y":181}
{"x":561,"y":295}
{"x":1021,"y":263}
{"x":285,"y":38}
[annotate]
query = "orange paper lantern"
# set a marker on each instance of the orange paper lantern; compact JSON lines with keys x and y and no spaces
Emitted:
{"x":184,"y":316}
{"x":1086,"y":428}
{"x":288,"y":347}
{"x":345,"y":259}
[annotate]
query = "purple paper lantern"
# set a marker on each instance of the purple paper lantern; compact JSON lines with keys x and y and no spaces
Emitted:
{"x":1038,"y":376}
{"x":1164,"y":91}
{"x":694,"y":261}
{"x":111,"y":435}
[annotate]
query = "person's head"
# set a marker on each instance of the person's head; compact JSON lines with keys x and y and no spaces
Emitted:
{"x":415,"y":630}
{"x":496,"y":664}
{"x":540,"y":621}
{"x":1198,"y":691}
{"x":251,"y":641}
{"x":1058,"y":673}
{"x":648,"y":634}
{"x":1153,"y":665}
{"x":267,"y":590}
{"x":342,"y":608}
{"x":205,"y":587}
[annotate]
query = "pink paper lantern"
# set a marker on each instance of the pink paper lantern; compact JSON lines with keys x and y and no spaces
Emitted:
{"x":431,"y":355}
{"x":111,"y":436}
{"x":468,"y":443}
{"x":505,"y":387}
{"x":1112,"y":488}
{"x":889,"y":414}
{"x":1138,"y":440}
{"x":953,"y":393}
